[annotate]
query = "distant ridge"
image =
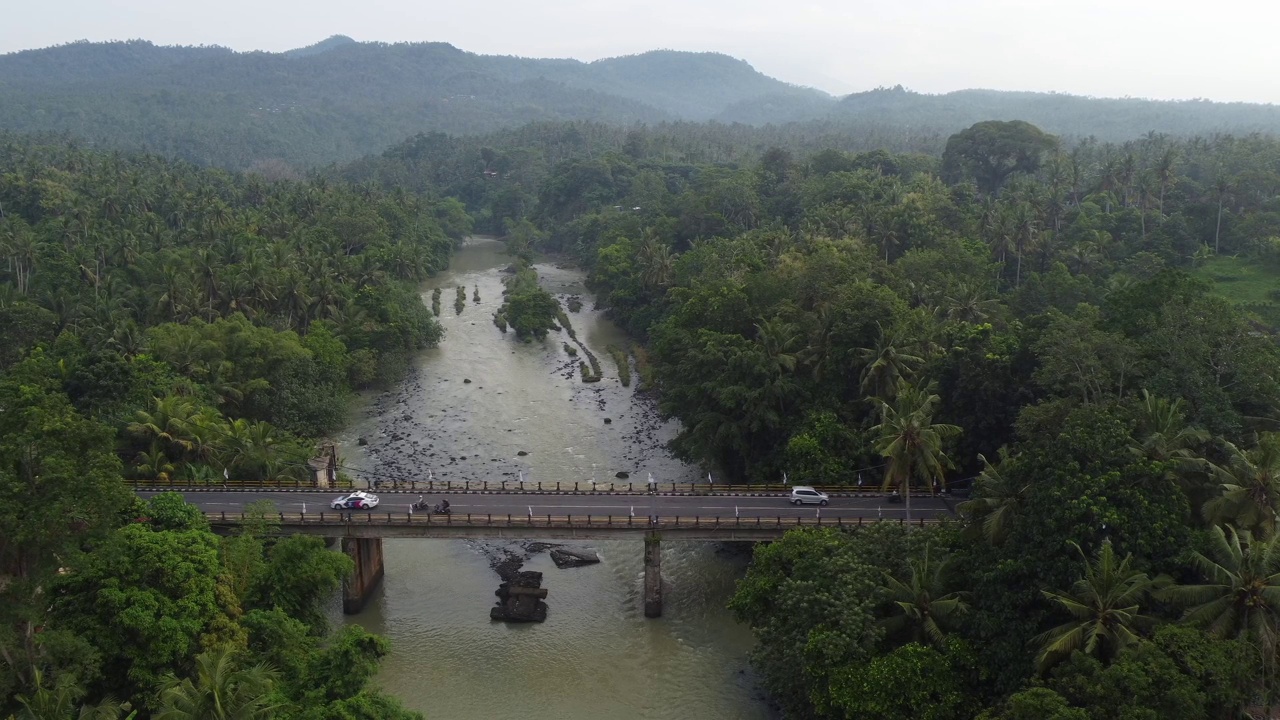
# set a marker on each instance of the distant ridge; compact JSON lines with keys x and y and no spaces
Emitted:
{"x":339,"y":99}
{"x":329,"y":43}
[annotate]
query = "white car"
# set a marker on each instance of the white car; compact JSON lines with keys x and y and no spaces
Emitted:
{"x":358,"y":500}
{"x":803,"y":494}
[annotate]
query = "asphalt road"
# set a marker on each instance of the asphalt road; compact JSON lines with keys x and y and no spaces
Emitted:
{"x":545,"y":504}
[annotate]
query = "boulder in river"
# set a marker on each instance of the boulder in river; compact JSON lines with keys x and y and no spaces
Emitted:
{"x":521,"y":599}
{"x":522,"y":453}
{"x":566,"y":558}
{"x":622,"y":475}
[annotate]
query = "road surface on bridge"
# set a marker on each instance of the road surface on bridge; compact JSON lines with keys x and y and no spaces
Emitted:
{"x":725,"y":506}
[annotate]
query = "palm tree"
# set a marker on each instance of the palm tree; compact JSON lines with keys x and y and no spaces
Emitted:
{"x":657,"y":263}
{"x":911,"y":442}
{"x":1221,"y":190}
{"x":926,"y":605}
{"x":885,"y":366}
{"x":60,"y":702}
{"x":219,"y":691}
{"x":969,"y":305}
{"x":778,"y":338}
{"x":1250,"y":482}
{"x":1000,"y":496}
{"x":1164,"y":436}
{"x":1105,"y":606}
{"x":1241,"y":595}
{"x":170,"y":423}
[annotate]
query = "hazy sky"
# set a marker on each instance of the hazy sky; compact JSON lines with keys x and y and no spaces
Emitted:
{"x":1216,"y":49}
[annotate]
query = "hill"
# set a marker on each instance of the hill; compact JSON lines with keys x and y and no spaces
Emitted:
{"x":340,"y":99}
{"x":1110,"y":119}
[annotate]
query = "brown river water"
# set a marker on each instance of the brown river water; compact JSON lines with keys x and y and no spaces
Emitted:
{"x":596,"y":656}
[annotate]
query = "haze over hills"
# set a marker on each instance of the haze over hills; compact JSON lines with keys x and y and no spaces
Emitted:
{"x":339,"y":99}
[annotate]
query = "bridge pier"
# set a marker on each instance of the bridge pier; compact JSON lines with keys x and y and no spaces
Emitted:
{"x":366,"y":553}
{"x":652,"y":574}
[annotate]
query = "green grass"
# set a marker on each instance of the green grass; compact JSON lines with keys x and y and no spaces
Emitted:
{"x":1240,"y":279}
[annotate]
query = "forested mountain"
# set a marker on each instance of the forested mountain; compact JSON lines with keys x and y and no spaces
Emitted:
{"x":340,"y":99}
{"x":1113,"y":119}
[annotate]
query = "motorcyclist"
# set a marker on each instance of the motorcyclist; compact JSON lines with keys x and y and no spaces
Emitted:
{"x":444,"y":506}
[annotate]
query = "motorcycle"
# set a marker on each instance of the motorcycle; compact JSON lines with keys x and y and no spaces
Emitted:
{"x":424,"y":506}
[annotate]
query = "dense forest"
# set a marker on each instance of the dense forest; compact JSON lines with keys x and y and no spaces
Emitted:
{"x":1064,"y":330}
{"x":165,"y":322}
{"x":1078,"y":337}
{"x":339,"y":100}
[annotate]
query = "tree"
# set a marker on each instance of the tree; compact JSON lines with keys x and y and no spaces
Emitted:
{"x":1105,"y":605}
{"x":999,"y":497}
{"x":1250,"y":482}
{"x":911,"y":442}
{"x":926,"y":605}
{"x":886,"y":365}
{"x":50,"y":452}
{"x":1240,"y":597}
{"x":810,"y":598}
{"x":145,"y":599}
{"x":911,"y":681}
{"x":219,"y":691}
{"x":993,"y":150}
{"x":62,"y":702}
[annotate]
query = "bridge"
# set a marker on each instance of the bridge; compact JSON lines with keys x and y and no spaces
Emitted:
{"x":699,"y":514}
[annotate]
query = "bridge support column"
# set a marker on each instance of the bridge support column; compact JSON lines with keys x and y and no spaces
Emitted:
{"x":366,"y":553}
{"x":652,"y":575}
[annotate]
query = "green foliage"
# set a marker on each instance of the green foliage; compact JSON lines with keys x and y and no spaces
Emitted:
{"x":812,"y":599}
{"x":297,"y":577}
{"x":910,"y":681}
{"x":144,"y":599}
{"x":993,"y":150}
{"x":530,"y":310}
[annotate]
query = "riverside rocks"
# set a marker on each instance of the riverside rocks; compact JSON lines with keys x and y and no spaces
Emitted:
{"x":521,"y":595}
{"x":566,"y":558}
{"x":520,"y":599}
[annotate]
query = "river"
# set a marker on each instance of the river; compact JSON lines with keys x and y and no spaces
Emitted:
{"x":596,"y":656}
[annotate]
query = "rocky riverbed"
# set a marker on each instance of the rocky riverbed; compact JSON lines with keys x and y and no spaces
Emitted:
{"x":487,"y":407}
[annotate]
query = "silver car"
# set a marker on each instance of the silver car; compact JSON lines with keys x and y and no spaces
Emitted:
{"x":805,"y":495}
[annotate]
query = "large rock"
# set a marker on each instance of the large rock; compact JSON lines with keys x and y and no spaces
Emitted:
{"x":566,"y":558}
{"x":520,"y":599}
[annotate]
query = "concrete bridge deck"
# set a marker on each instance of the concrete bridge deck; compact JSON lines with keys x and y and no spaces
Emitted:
{"x":376,"y":524}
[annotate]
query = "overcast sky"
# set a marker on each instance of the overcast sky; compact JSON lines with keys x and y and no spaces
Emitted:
{"x":1215,"y":49}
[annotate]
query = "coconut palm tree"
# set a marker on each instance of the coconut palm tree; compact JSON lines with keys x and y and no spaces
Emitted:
{"x":1105,"y":606}
{"x":1163,"y":436}
{"x":926,"y":606}
{"x":61,"y":702}
{"x":1240,"y":597}
{"x":885,"y":365}
{"x":219,"y":691}
{"x":1000,"y":497}
{"x":911,"y":442}
{"x":969,"y":305}
{"x":1250,"y":482}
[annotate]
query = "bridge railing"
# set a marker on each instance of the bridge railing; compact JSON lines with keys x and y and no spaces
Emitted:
{"x":512,"y":486}
{"x":595,"y":522}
